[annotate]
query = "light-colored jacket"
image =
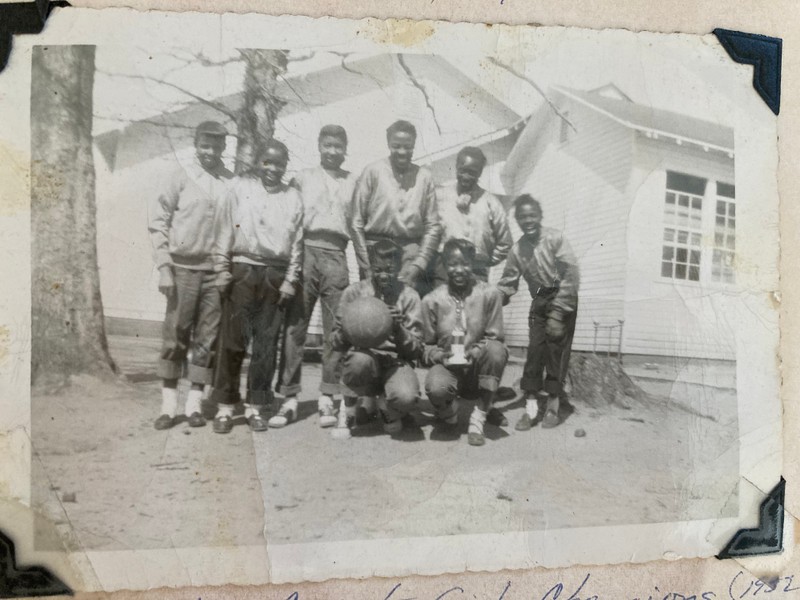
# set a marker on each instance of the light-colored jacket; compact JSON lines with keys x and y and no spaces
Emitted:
{"x":258,"y":227}
{"x":482,"y":315}
{"x":181,"y":220}
{"x":403,"y":212}
{"x":327,"y":206}
{"x":484,"y":223}
{"x":546,"y":262}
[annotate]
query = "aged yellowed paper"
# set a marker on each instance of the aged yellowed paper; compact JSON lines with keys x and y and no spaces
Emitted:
{"x":530,"y":99}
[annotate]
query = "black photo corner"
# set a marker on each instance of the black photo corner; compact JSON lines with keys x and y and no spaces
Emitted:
{"x":22,"y":18}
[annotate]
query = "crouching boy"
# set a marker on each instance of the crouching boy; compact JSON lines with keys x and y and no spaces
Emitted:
{"x":258,"y":257}
{"x":544,"y":258}
{"x":462,"y":322}
{"x":386,"y":371}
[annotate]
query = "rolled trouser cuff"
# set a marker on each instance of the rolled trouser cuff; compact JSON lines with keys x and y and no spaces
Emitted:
{"x":490,"y":383}
{"x":530,"y":385}
{"x":169,"y":369}
{"x":221,"y":397}
{"x":198,"y":374}
{"x":329,"y":389}
{"x":290,"y":390}
{"x":260,"y":397}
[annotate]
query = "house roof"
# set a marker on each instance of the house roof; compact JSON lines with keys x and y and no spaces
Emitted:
{"x":145,"y":138}
{"x":653,"y":120}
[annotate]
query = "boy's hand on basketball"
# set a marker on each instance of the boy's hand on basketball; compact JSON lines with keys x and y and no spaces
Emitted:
{"x":554,"y":325}
{"x":166,"y":281}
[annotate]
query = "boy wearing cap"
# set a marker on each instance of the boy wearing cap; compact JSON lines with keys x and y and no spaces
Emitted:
{"x":396,"y":199}
{"x":544,"y":258}
{"x":258,"y":256}
{"x":181,"y":226}
{"x":327,"y":193}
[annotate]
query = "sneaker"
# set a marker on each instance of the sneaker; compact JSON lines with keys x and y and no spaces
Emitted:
{"x":286,"y":414}
{"x":327,"y":414}
{"x":475,"y":435}
{"x":525,"y":423}
{"x":164,"y":422}
{"x":344,"y":425}
{"x":257,"y":422}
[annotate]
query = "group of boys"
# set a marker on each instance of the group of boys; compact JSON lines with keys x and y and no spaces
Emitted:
{"x":244,"y":260}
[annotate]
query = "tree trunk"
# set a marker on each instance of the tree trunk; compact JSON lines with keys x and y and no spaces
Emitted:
{"x":256,"y":122}
{"x":67,"y":330}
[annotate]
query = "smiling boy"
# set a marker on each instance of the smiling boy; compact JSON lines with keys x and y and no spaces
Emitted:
{"x":396,"y":199}
{"x":181,"y":226}
{"x":258,"y":258}
{"x":544,"y":258}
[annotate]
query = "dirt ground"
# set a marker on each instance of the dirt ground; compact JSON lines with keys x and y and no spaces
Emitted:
{"x":110,"y":481}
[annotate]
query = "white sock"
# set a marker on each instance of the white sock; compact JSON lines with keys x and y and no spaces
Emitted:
{"x":251,"y":410}
{"x":476,"y":421}
{"x":225,"y":410}
{"x":531,"y":407}
{"x":290,"y":403}
{"x":325,"y":401}
{"x":193,"y":401}
{"x":169,"y":401}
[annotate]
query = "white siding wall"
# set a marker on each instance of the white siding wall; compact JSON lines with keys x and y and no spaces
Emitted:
{"x":664,"y":316}
{"x":582,"y":186}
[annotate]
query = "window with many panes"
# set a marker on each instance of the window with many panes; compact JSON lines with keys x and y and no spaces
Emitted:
{"x":683,"y":226}
{"x":724,"y":234}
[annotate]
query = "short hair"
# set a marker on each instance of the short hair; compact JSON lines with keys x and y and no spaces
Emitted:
{"x":211,"y":128}
{"x":386,"y":249}
{"x":401,"y":126}
{"x":336,"y":131}
{"x":526,"y":200}
{"x":272,"y":144}
{"x":472,"y":152}
{"x":466,"y":248}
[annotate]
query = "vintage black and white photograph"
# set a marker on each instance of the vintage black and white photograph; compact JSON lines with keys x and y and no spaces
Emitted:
{"x":502,"y":291}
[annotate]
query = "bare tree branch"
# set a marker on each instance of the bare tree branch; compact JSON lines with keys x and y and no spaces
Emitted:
{"x":418,"y":84}
{"x":535,"y":86}
{"x":215,"y":105}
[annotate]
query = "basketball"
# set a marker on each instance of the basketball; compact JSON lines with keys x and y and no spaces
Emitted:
{"x":367,"y":322}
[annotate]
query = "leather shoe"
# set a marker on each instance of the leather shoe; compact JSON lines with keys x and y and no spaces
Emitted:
{"x":257,"y":423}
{"x":196,"y":420}
{"x":223,"y":424}
{"x":525,"y":423}
{"x":164,"y":422}
{"x":496,"y":417}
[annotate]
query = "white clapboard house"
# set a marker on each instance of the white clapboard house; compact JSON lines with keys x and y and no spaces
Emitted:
{"x":365,"y":95}
{"x":646,"y":197}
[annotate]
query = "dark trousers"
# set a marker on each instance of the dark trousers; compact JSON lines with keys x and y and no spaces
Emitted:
{"x":325,"y":277}
{"x":547,"y":361}
{"x":191,"y":324}
{"x":444,"y":383}
{"x":249,"y":313}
